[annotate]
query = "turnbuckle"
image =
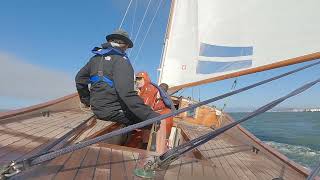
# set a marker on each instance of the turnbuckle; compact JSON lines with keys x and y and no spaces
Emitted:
{"x":148,"y":171}
{"x":11,"y":169}
{"x":150,"y":168}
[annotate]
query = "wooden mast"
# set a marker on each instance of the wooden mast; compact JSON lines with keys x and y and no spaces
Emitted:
{"x":279,"y":64}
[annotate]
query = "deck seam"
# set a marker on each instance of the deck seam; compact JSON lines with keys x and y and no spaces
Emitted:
{"x":95,"y":167}
{"x":275,"y":170}
{"x":75,"y":175}
{"x":222,"y":166}
{"x":249,"y":167}
{"x":55,"y":120}
{"x":54,"y":130}
{"x":70,"y":155}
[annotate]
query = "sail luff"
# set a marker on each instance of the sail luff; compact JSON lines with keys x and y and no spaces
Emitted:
{"x":169,"y":26}
{"x":296,"y":60}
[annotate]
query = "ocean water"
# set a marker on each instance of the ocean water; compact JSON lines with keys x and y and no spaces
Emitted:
{"x":294,"y":134}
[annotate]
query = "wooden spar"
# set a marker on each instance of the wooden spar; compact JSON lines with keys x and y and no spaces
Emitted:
{"x":169,"y":26}
{"x":287,"y":62}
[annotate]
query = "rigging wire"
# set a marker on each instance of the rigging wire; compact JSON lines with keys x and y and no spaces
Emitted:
{"x":125,"y":14}
{"x":138,"y":32}
{"x":145,"y":36}
{"x":233,"y":87}
{"x":181,"y":92}
{"x":314,"y":173}
{"x":172,"y":154}
{"x":192,"y":96}
{"x":74,"y":147}
{"x":199,"y":95}
{"x":134,"y":18}
{"x":45,"y":157}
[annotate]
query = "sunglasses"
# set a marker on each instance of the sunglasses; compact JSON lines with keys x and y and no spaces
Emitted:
{"x":118,"y":41}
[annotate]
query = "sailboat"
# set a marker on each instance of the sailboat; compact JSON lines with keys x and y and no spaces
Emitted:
{"x":206,"y":41}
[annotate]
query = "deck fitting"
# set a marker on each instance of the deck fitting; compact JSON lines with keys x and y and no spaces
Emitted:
{"x":145,"y":173}
{"x":45,"y":113}
{"x":254,"y":149}
{"x":10,"y":170}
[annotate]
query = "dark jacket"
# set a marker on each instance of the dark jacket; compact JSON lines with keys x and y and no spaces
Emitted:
{"x":119,"y":103}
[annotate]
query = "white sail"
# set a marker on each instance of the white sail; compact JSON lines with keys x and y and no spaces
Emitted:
{"x":210,"y":38}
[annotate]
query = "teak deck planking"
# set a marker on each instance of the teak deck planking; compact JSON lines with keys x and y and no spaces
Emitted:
{"x":229,"y":156}
{"x":237,"y":159}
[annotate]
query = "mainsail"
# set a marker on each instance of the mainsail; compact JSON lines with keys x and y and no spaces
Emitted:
{"x":215,"y":38}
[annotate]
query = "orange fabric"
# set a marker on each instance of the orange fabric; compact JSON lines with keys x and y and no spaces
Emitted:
{"x":159,"y":104}
{"x":168,"y":121}
{"x":151,"y":97}
{"x":164,"y":132}
{"x":148,"y":92}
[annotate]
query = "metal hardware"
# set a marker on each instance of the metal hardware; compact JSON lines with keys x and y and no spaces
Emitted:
{"x":45,"y":113}
{"x":254,"y":149}
{"x":10,"y":170}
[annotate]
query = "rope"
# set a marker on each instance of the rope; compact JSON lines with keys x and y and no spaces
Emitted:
{"x":59,"y":140}
{"x":314,"y":173}
{"x":179,"y":150}
{"x":125,"y":14}
{"x":144,"y":16}
{"x":147,"y":32}
{"x":124,"y":130}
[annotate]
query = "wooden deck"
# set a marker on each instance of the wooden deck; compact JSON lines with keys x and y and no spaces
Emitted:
{"x":226,"y":157}
{"x":114,"y":162}
{"x":25,"y":136}
{"x":98,"y":128}
{"x":232,"y":156}
{"x":20,"y":138}
{"x":229,"y":156}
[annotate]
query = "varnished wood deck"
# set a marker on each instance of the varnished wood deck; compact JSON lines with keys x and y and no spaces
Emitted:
{"x":232,"y":157}
{"x":114,"y":162}
{"x":225,"y":157}
{"x":22,"y":137}
{"x":24,"y":132}
{"x":25,"y":136}
{"x":98,"y":128}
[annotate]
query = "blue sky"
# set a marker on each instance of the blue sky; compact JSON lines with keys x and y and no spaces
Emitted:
{"x":44,"y":43}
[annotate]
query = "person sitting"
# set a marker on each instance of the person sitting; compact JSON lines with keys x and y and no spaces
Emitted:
{"x":112,"y":94}
{"x":154,"y":96}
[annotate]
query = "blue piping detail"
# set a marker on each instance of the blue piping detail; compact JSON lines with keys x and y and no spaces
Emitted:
{"x":94,"y":79}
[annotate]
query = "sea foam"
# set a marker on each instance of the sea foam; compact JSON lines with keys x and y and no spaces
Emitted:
{"x":301,"y":154}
